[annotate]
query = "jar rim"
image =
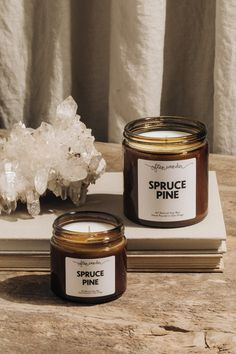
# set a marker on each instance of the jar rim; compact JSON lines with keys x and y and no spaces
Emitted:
{"x":192,"y":126}
{"x":91,"y":237}
{"x":196,"y":130}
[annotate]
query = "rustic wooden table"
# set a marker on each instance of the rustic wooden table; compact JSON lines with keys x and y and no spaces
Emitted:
{"x":159,"y":313}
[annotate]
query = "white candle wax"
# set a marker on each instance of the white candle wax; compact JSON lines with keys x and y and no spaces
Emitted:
{"x":88,"y":226}
{"x":164,"y":134}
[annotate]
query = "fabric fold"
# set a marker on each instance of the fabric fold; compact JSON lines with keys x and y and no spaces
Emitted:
{"x":136,"y":62}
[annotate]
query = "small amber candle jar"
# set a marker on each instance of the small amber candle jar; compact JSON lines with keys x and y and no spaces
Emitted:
{"x":88,"y":257}
{"x":165,"y":171}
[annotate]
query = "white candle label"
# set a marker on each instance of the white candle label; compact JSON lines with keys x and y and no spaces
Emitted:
{"x":167,"y":190}
{"x":90,"y":277}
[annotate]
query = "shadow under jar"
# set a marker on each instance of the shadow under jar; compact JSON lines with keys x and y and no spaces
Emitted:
{"x":165,"y":171}
{"x":88,"y":257}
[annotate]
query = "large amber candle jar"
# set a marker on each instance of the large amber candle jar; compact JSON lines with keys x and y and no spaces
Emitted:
{"x":88,"y":257}
{"x":165,"y":171}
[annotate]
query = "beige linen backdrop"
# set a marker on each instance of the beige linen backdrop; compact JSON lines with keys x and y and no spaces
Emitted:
{"x":121,"y":60}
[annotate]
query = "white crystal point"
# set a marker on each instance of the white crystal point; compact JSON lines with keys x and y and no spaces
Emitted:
{"x":6,"y":207}
{"x":41,"y":181}
{"x":33,"y":205}
{"x":64,"y":193}
{"x":74,"y":192}
{"x":67,"y":108}
{"x":8,"y":181}
{"x":60,"y":157}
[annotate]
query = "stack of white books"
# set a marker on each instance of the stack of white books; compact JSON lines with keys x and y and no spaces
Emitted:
{"x":25,"y":241}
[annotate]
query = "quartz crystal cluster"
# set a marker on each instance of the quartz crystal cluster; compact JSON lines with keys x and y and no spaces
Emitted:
{"x":59,"y":157}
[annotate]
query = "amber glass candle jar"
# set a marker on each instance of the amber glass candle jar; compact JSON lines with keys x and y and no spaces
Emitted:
{"x":165,"y":171}
{"x":88,"y":257}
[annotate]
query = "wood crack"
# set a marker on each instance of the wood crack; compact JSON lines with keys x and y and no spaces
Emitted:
{"x":175,"y":329}
{"x":205,"y":340}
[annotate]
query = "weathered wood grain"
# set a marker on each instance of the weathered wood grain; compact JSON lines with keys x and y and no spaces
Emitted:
{"x":159,"y":313}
